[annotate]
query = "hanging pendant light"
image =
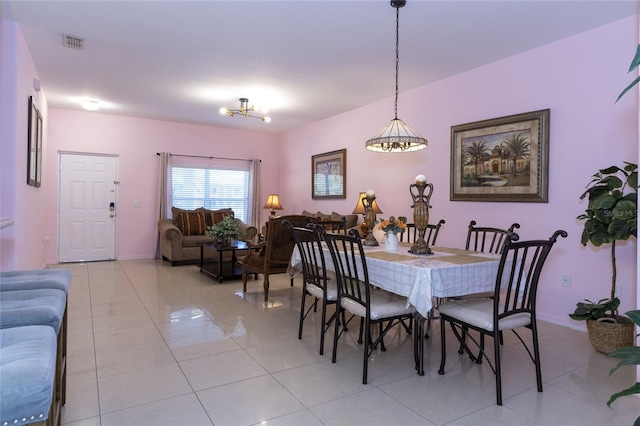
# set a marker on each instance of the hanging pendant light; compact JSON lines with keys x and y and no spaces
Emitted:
{"x":396,"y":136}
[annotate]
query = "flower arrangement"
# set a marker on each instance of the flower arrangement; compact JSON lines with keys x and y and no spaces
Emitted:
{"x":393,"y":224}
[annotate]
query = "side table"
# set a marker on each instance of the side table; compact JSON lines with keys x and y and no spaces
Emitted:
{"x":222,"y":268}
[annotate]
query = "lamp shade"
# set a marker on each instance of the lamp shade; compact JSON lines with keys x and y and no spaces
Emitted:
{"x":273,"y":202}
{"x":360,"y":207}
{"x":396,"y":137}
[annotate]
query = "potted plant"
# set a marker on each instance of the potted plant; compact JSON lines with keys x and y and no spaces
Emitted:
{"x":225,"y":230}
{"x":629,"y":356}
{"x":611,"y":216}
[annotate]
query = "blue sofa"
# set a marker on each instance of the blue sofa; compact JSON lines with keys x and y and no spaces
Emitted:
{"x":33,"y":313}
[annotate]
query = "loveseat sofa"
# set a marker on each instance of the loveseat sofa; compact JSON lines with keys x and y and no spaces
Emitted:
{"x":180,"y":237}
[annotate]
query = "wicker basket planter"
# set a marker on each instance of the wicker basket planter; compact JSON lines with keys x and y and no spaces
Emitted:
{"x":608,"y":334}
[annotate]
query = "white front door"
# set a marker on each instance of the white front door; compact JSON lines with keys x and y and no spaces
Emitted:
{"x":87,"y":207}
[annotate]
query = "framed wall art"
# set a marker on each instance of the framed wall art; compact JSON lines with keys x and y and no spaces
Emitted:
{"x":502,"y":159}
{"x":34,"y":145}
{"x":329,"y":175}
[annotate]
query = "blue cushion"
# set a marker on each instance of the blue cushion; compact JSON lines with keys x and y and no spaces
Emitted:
{"x":27,"y":367}
{"x":32,"y":307}
{"x":36,"y":278}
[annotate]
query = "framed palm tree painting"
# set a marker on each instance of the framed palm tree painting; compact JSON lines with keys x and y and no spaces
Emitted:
{"x":501,"y":159}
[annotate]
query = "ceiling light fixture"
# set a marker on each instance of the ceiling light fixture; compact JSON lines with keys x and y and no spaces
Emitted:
{"x":396,"y":136}
{"x":245,"y":111}
{"x":90,"y":104}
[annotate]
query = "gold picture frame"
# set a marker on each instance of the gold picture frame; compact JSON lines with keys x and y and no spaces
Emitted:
{"x":501,"y":159}
{"x":329,"y":175}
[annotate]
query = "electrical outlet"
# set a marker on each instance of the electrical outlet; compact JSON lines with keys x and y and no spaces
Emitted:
{"x":616,"y":292}
{"x":566,"y":280}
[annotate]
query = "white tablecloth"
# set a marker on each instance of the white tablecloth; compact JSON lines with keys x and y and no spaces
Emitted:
{"x":448,"y":272}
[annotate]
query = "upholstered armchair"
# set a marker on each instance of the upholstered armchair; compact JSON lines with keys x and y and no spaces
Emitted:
{"x":273,"y":255}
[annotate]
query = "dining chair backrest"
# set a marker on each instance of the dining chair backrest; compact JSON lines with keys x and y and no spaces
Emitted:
{"x":519,"y":272}
{"x":309,"y":244}
{"x":430,"y":235}
{"x":350,"y":266}
{"x":487,"y":239}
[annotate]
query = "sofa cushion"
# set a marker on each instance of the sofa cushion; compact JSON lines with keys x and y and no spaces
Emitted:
{"x":214,"y":216}
{"x":351,"y":219}
{"x":35,"y":278}
{"x":32,"y":307}
{"x":195,"y":240}
{"x":27,"y":368}
{"x":323,"y":216}
{"x":191,"y":223}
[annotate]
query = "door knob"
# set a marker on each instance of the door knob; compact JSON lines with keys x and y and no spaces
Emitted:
{"x":112,"y":215}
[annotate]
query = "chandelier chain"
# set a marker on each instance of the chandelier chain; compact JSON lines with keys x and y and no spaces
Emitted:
{"x":397,"y":57}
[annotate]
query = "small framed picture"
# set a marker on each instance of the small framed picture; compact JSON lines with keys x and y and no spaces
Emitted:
{"x":329,"y":175}
{"x":502,"y":159}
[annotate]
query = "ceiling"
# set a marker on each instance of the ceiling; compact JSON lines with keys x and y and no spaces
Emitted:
{"x":304,"y":60}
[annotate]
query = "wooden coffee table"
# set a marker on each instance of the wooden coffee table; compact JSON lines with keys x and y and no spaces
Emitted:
{"x":222,"y":268}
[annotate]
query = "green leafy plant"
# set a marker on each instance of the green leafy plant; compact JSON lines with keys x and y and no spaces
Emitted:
{"x":225,"y":227}
{"x":634,"y":64}
{"x":628,"y":355}
{"x":595,"y":311}
{"x":611,"y":214}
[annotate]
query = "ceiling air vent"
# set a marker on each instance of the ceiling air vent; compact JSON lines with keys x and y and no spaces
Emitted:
{"x":72,"y":42}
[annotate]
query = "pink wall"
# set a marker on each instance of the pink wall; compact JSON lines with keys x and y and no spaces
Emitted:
{"x":21,"y":245}
{"x":136,"y":142}
{"x":577,"y":78}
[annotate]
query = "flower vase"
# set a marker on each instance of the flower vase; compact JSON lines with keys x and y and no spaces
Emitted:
{"x":390,"y":241}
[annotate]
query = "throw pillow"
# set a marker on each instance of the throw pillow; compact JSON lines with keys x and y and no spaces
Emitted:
{"x":322,"y":216}
{"x":335,"y":216}
{"x":191,"y":223}
{"x":214,"y":216}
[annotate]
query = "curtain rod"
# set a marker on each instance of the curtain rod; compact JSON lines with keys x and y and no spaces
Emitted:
{"x":210,"y":158}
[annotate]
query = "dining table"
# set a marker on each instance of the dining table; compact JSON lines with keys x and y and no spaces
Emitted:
{"x":424,"y":279}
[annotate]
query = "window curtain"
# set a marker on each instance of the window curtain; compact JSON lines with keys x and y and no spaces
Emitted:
{"x":255,"y":193}
{"x":164,"y":193}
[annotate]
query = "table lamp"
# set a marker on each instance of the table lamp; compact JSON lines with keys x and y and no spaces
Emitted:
{"x":273,"y":203}
{"x":368,"y":198}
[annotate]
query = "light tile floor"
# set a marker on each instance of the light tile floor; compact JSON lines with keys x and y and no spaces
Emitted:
{"x":151,"y":344}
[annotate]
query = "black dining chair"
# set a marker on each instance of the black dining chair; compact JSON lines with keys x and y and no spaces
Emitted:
{"x":512,"y":307}
{"x":430,"y":235}
{"x":486,"y":239}
{"x":359,"y":299}
{"x":317,"y":282}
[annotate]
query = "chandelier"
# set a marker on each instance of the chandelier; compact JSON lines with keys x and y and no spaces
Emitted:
{"x":245,"y":111}
{"x":396,"y":136}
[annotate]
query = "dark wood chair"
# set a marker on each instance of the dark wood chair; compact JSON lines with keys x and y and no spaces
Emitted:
{"x":273,"y":255}
{"x":430,"y":235}
{"x":512,"y":307}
